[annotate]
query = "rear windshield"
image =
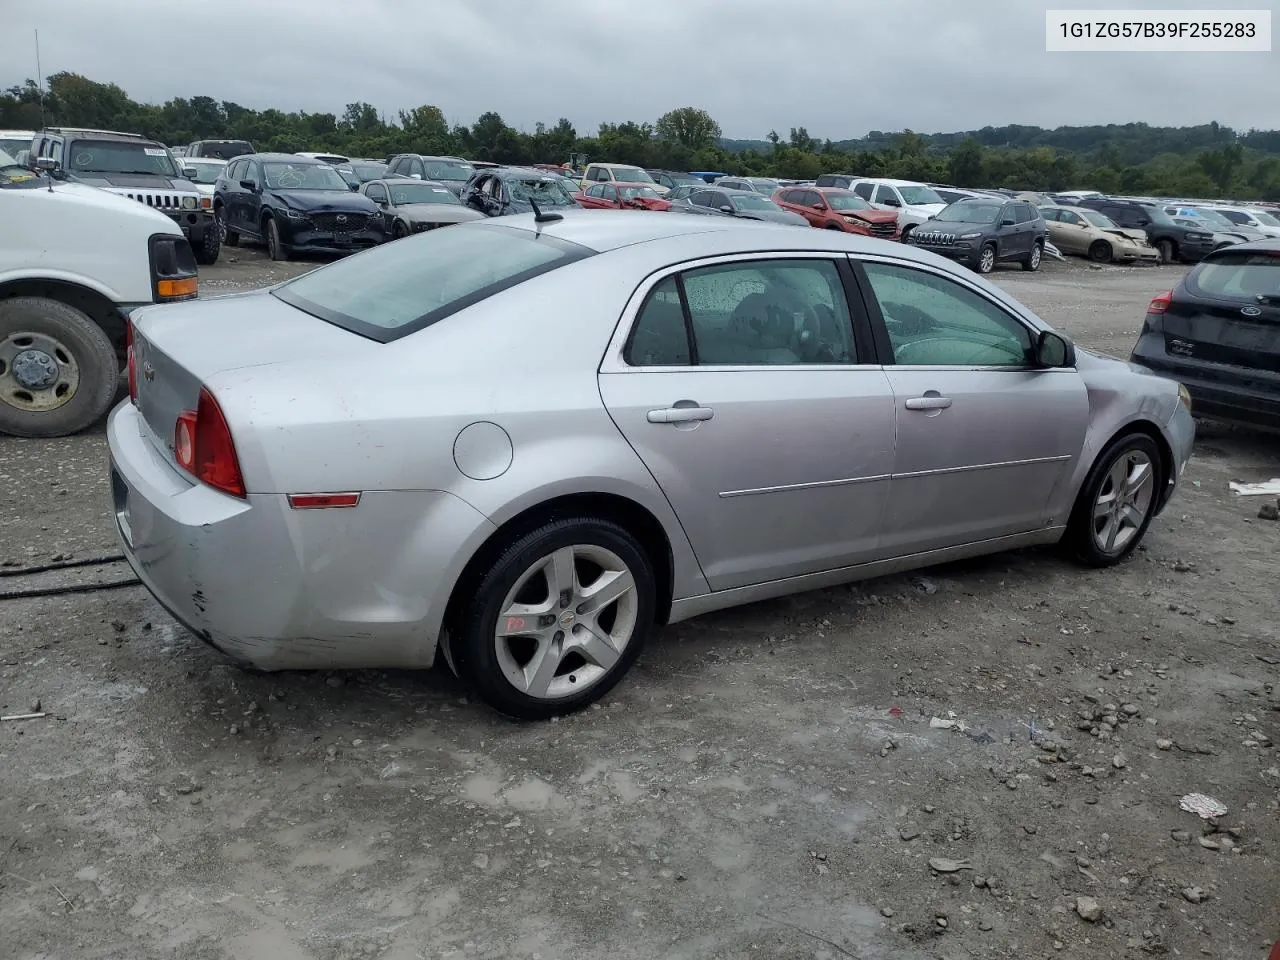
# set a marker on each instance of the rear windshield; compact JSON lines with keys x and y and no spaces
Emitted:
{"x":399,"y":288}
{"x":1238,"y":276}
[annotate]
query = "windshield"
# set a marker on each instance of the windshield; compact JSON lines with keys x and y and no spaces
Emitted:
{"x":13,"y":146}
{"x":765,"y":186}
{"x":914,"y":196}
{"x":13,"y":172}
{"x":846,"y":201}
{"x":1098,"y":219}
{"x":449,"y":170}
{"x":421,"y":193}
{"x":111,"y":156}
{"x":1237,"y":276}
{"x":631,"y":175}
{"x":369,"y":171}
{"x":752,"y":201}
{"x":225,"y":149}
{"x":970,"y":211}
{"x":401,"y":287}
{"x":206,"y":172}
{"x":1214,"y":217}
{"x":302,"y":176}
{"x":544,"y":192}
{"x":630,"y":193}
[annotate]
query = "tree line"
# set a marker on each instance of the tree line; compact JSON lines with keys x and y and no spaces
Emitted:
{"x":1200,"y":161}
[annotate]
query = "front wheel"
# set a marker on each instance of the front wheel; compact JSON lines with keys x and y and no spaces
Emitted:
{"x":987,"y":258}
{"x":399,"y":231}
{"x":1100,"y":251}
{"x":210,"y":244}
{"x":229,"y":236}
{"x":1032,"y":261}
{"x":1116,"y":502}
{"x":1168,"y":252}
{"x":906,"y":232}
{"x":276,"y":249}
{"x":556,"y":620}
{"x":58,"y":369}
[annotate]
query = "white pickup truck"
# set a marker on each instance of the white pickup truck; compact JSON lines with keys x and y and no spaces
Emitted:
{"x":74,"y":261}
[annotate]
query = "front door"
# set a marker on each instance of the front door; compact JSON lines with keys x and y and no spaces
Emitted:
{"x":769,"y":431}
{"x":984,"y":439}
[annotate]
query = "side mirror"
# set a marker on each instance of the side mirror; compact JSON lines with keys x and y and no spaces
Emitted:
{"x":355,"y":187}
{"x":47,"y":164}
{"x":190,"y":173}
{"x":725,"y":208}
{"x":249,"y":185}
{"x":416,"y":176}
{"x":1008,"y":222}
{"x":1054,"y":350}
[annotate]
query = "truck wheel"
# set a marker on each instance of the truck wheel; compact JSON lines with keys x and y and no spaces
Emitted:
{"x":58,"y":369}
{"x":229,"y":236}
{"x":207,"y":250}
{"x":275,"y":248}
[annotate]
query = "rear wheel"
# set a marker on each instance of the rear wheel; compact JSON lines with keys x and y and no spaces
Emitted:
{"x":556,"y":620}
{"x":1100,"y":251}
{"x":1116,"y":502}
{"x":276,"y":249}
{"x":58,"y":370}
{"x":1032,"y":260}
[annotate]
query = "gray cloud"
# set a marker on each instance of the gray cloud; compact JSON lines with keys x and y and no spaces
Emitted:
{"x":838,"y":67}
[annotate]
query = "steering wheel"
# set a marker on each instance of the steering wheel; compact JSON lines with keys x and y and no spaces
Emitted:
{"x":809,"y":340}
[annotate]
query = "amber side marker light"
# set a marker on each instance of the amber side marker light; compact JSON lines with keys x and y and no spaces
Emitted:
{"x":320,"y":501}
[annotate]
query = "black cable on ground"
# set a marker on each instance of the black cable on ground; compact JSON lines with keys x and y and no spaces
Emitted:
{"x":62,"y":565}
{"x":75,"y":588}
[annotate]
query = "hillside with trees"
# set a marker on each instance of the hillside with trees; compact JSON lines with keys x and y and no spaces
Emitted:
{"x":1207,"y":160}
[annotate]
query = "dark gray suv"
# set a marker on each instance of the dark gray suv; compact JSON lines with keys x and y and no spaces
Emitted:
{"x":983,"y":232}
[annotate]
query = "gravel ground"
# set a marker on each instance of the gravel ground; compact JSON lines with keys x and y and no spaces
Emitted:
{"x":769,"y":782}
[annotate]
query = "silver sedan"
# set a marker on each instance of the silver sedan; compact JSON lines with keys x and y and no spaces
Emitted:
{"x":523,"y":443}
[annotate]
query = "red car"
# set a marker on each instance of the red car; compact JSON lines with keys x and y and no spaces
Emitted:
{"x":622,"y":196}
{"x":836,"y":209}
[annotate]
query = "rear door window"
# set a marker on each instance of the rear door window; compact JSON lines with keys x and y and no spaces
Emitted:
{"x":864,"y":190}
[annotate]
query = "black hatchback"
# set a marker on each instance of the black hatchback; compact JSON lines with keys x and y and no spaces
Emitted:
{"x":1218,"y":333}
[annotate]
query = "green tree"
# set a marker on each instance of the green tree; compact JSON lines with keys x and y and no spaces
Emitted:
{"x":965,"y":163}
{"x":690,"y":127}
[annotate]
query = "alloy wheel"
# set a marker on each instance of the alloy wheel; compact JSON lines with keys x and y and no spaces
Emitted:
{"x":987,"y":260}
{"x":566,"y":621}
{"x":1123,"y":501}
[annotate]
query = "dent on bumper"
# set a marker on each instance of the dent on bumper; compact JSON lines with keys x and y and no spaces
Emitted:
{"x":286,"y":589}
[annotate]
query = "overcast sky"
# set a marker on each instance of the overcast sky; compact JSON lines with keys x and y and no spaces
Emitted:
{"x":838,"y":67}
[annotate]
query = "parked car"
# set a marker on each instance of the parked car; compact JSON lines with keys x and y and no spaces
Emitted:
{"x":619,"y":173}
{"x":333,"y":159}
{"x":218,"y":149}
{"x":205,"y":170}
{"x":672,"y":179}
{"x":914,"y":203}
{"x":17,"y":144}
{"x":1215,"y":221}
{"x":1088,"y":233}
{"x":1218,"y":333}
{"x":835,"y":209}
{"x":761,"y":185}
{"x":1180,"y":238}
{"x":74,"y":261}
{"x":684,"y":191}
{"x":369,"y":170}
{"x":500,"y":191}
{"x":742,"y":204}
{"x":1254,"y":217}
{"x":134,"y":167}
{"x":453,"y":172}
{"x":293,"y":204}
{"x":982,"y":233}
{"x":843,"y":181}
{"x":410,"y":206}
{"x":953,"y":194}
{"x":707,"y":176}
{"x":622,"y":196}
{"x":555,"y":492}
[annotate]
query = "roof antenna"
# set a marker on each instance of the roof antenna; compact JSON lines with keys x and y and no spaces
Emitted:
{"x":39,"y":80}
{"x":540,"y":217}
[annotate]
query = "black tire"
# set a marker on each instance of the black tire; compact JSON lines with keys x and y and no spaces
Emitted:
{"x":835,"y":226}
{"x":473,"y":644}
{"x":207,"y":250}
{"x":906,"y":232}
{"x":1033,"y":259}
{"x":1168,"y":251}
{"x":229,"y":237}
{"x":399,"y":231}
{"x":275,"y":247}
{"x":1100,"y":252}
{"x":1080,"y":539}
{"x":86,"y":346}
{"x":986,"y":264}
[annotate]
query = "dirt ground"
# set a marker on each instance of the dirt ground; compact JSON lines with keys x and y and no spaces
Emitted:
{"x":767,"y":782}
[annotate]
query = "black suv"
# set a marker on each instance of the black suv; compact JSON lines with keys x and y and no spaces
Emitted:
{"x":130,"y":166}
{"x":1177,"y":238}
{"x":982,"y":232}
{"x":453,"y":172}
{"x":219,"y":149}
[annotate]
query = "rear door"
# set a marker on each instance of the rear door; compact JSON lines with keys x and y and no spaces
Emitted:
{"x":1228,"y":312}
{"x":743,"y":386}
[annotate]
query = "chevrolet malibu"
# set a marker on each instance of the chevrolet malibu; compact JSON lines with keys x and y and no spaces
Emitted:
{"x":522,"y":444}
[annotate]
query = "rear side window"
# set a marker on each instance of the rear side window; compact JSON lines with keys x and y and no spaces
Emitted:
{"x":1237,"y":276}
{"x":402,"y":287}
{"x":863,"y":190}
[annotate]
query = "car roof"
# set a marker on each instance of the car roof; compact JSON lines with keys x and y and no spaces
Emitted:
{"x":521,"y":173}
{"x":401,"y":181}
{"x":889,"y":181}
{"x":208,"y":159}
{"x":296,"y":158}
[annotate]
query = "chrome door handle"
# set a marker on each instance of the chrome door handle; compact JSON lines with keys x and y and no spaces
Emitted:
{"x":680,"y":414}
{"x":928,"y":403}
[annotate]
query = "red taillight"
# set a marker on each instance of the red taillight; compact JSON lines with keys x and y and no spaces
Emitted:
{"x":203,"y":447}
{"x":128,"y":361}
{"x":1161,"y":303}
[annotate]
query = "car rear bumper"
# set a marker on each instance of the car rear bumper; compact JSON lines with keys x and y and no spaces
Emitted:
{"x":286,"y":589}
{"x":1218,"y":391}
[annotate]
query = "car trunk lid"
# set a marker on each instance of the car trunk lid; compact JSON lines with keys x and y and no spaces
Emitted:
{"x":178,"y":348}
{"x":1228,"y":311}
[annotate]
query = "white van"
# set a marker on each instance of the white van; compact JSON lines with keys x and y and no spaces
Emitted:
{"x":74,"y":261}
